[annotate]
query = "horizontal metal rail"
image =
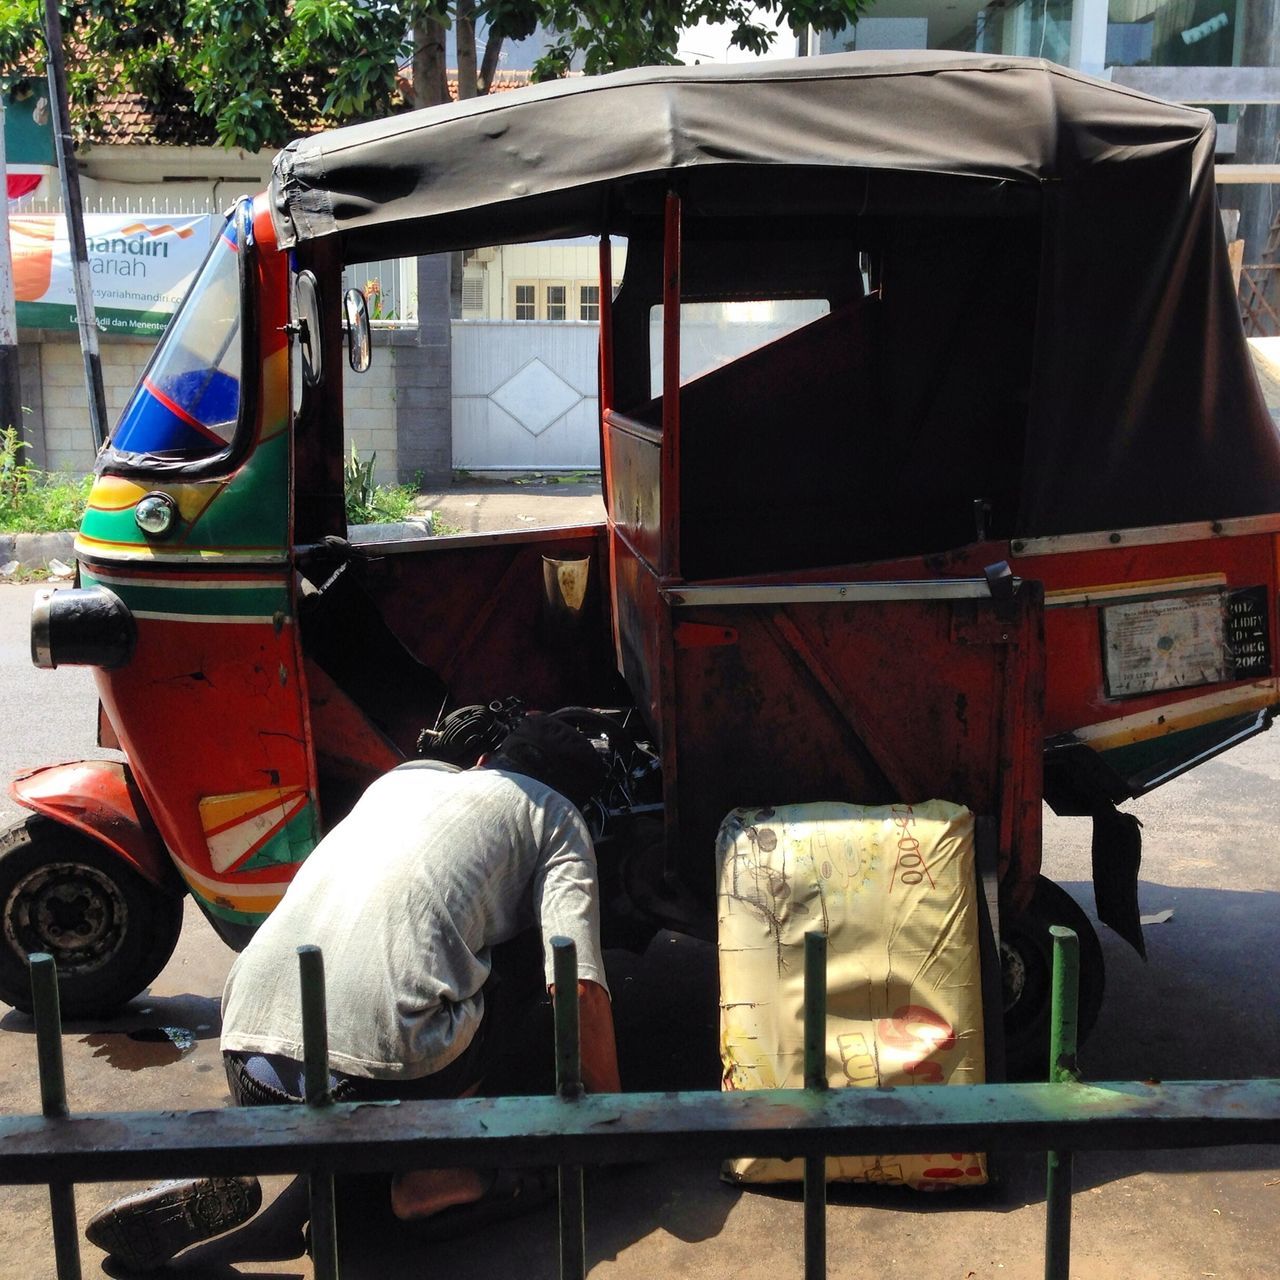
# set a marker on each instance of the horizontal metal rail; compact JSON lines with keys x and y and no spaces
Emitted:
{"x":361,"y":1137}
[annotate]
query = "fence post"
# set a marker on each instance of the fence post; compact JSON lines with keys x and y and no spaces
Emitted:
{"x":1062,"y":1070}
{"x":53,"y":1104}
{"x":315,"y":1050}
{"x":815,"y":1079}
{"x":573,"y":1235}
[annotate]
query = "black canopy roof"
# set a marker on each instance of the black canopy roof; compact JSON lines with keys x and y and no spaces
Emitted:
{"x":1144,"y":406}
{"x":533,"y":163}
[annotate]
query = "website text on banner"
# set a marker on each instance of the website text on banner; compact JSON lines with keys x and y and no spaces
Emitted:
{"x":140,"y":267}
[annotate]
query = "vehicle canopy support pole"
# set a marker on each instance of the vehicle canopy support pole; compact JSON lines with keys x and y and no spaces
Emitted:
{"x":815,"y":1079}
{"x":1062,"y":1070}
{"x":606,"y":368}
{"x":86,"y":317}
{"x":670,"y":500}
{"x":315,"y":1062}
{"x":53,"y":1104}
{"x":573,"y":1236}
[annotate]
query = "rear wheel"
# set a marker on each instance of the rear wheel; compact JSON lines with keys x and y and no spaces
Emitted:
{"x":109,"y":930}
{"x":1026,"y":954}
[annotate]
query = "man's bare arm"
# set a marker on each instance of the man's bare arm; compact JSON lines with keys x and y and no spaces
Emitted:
{"x":599,"y":1050}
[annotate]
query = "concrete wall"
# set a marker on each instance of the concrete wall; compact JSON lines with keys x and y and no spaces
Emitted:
{"x":57,"y":428}
{"x":369,"y":404}
{"x":53,"y":388}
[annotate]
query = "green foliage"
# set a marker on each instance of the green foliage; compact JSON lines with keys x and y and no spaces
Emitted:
{"x":36,"y":501}
{"x":369,"y":502}
{"x":611,"y":36}
{"x":254,"y":72}
{"x":378,"y":310}
{"x":257,"y":72}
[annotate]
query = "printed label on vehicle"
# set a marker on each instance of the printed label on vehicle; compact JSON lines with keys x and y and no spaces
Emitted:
{"x":1170,"y":643}
{"x":1248,"y":633}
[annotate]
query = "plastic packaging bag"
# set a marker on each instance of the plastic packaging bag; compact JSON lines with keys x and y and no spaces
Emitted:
{"x":894,"y":888}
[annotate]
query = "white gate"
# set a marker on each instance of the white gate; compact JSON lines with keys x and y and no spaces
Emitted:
{"x":525,"y":395}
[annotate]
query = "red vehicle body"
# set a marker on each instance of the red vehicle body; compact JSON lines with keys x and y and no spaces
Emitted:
{"x":998,"y":523}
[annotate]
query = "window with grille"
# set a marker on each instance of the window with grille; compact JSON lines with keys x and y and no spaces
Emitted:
{"x":526,"y":301}
{"x":557,"y":302}
{"x":588,"y":302}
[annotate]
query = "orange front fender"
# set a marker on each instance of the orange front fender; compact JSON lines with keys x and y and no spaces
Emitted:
{"x":101,"y":799}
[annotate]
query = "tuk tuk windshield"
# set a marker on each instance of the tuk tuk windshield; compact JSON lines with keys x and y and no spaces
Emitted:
{"x":188,"y":402}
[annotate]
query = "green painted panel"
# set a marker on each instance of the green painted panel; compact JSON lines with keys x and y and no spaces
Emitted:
{"x":1158,"y":755}
{"x":288,"y":846}
{"x":250,"y":513}
{"x":253,"y":510}
{"x":112,"y":526}
{"x":249,"y":601}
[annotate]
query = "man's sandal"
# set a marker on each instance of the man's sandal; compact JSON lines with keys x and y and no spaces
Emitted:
{"x":144,"y":1230}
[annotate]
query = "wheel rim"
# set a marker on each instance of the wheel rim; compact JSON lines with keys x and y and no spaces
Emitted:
{"x":1013,"y":973}
{"x":1025,"y":983}
{"x":72,"y":911}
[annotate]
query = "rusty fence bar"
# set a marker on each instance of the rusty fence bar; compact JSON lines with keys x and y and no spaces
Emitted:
{"x":315,"y":1049}
{"x":573,"y":1230}
{"x":53,"y":1106}
{"x":815,"y":1081}
{"x":573,"y":1129}
{"x":1064,"y":1008}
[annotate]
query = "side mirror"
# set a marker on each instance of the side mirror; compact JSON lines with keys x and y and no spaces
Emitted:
{"x":306,"y":299}
{"x":355,"y":310}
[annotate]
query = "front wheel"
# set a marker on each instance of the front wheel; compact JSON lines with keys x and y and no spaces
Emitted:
{"x":1026,"y":955}
{"x":109,"y":930}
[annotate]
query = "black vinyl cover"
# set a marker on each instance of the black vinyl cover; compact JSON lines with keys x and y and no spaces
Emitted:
{"x":1144,"y":405}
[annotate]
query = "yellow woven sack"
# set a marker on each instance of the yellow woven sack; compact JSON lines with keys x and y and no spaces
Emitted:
{"x":894,"y":889}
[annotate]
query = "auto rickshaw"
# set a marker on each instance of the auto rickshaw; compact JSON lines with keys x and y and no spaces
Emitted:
{"x":996,"y":520}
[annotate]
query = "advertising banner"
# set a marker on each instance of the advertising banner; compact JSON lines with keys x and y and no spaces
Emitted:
{"x":140,"y":266}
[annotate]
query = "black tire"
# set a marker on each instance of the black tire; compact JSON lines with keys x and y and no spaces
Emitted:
{"x":1027,"y":968}
{"x":109,"y":930}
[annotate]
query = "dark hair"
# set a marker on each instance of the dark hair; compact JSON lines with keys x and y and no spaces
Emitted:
{"x":553,"y":752}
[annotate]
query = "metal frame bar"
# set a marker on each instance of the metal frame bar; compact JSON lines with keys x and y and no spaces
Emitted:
{"x":669,"y":553}
{"x":829,"y":592}
{"x":572,"y":1129}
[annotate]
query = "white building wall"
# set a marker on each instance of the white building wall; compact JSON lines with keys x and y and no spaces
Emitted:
{"x":500,"y":268}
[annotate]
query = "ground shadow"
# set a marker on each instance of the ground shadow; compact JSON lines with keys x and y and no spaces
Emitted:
{"x":1204,"y":1005}
{"x":150,"y":1031}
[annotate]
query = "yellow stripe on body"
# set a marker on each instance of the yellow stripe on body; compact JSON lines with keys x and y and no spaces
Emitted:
{"x":1171,"y":718}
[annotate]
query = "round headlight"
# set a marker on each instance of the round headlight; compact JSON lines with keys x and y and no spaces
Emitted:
{"x":156,"y":515}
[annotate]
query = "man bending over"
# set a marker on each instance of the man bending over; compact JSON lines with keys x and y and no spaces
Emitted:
{"x":406,"y":897}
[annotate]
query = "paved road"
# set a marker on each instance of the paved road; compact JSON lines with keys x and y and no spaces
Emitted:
{"x":1205,"y":1005}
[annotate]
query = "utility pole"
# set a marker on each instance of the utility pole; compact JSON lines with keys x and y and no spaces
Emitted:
{"x":86,"y":317}
{"x":10,"y":388}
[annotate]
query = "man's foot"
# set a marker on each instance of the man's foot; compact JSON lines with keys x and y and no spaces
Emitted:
{"x":422,"y":1192}
{"x":509,"y":1193}
{"x":146,"y":1229}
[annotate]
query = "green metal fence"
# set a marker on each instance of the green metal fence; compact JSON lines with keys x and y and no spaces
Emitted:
{"x":572,"y":1129}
